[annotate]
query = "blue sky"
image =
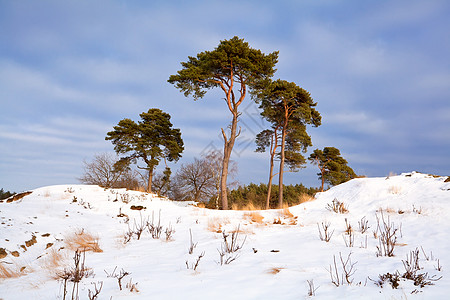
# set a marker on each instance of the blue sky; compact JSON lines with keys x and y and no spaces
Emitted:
{"x":71,"y":70}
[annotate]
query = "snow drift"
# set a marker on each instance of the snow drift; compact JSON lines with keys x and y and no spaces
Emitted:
{"x":281,"y":250}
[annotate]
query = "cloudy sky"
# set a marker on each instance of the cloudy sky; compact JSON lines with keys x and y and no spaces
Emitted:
{"x":71,"y":70}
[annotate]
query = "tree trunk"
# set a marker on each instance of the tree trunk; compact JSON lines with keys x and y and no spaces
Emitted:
{"x":269,"y":187}
{"x":227,"y":149}
{"x":323,"y":181}
{"x":150,"y":179}
{"x":280,"y":176}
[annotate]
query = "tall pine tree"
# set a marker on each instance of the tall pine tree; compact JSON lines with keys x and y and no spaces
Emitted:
{"x":290,"y":108}
{"x":149,"y":140}
{"x":233,"y":67}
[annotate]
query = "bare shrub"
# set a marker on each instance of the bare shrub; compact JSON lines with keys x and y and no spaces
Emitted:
{"x":349,"y":239}
{"x":128,"y":235}
{"x":132,"y":286}
{"x":169,"y":233}
{"x":194,"y":265}
{"x":228,"y":249}
{"x":155,"y":229}
{"x":387,"y":236}
{"x":349,"y":236}
{"x":140,"y":227}
{"x":191,"y":244}
{"x":326,"y":236}
{"x":311,"y":289}
{"x":83,"y":240}
{"x":392,"y":279}
{"x":438,"y":267}
{"x":122,"y":274}
{"x":363,"y":225}
{"x":412,"y":268}
{"x":411,"y":265}
{"x":233,"y":245}
{"x":93,"y":295}
{"x":75,"y":274}
{"x":337,"y":207}
{"x":342,"y":275}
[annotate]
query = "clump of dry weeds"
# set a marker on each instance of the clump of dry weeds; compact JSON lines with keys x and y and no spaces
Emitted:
{"x":215,"y":224}
{"x":83,"y":240}
{"x":254,"y":217}
{"x":11,"y":272}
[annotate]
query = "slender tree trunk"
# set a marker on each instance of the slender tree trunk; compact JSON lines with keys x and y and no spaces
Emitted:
{"x":150,"y":180}
{"x":280,"y":176}
{"x":323,"y":181}
{"x":227,"y":149}
{"x":269,"y":187}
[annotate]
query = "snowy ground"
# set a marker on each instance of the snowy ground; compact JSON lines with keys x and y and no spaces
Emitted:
{"x":276,"y":260}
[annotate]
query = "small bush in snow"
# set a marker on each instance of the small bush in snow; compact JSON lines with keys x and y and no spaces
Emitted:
{"x":122,"y":274}
{"x":326,"y":236}
{"x":311,"y":289}
{"x":412,"y":268}
{"x":155,"y":229}
{"x":191,"y":244}
{"x":194,"y":266}
{"x":387,"y":236}
{"x":363,"y":225}
{"x":169,"y":233}
{"x":344,"y":274}
{"x":227,"y":252}
{"x":74,"y":274}
{"x":337,"y":206}
{"x":93,"y":295}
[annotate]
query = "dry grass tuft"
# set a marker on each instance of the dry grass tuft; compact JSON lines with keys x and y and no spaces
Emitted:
{"x":305,"y":198}
{"x":274,"y":270}
{"x":7,"y":272}
{"x":395,"y":189}
{"x":286,"y":213}
{"x":250,"y":207}
{"x":200,"y":205}
{"x":387,"y":209}
{"x":288,"y":216}
{"x":254,"y":217}
{"x":215,"y":224}
{"x":83,"y":240}
{"x":54,"y":259}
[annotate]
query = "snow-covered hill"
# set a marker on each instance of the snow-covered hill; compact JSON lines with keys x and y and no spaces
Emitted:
{"x":280,"y":249}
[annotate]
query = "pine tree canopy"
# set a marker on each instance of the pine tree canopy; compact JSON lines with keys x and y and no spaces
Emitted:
{"x":151,"y":139}
{"x":290,"y":108}
{"x":232,"y":61}
{"x":333,"y":167}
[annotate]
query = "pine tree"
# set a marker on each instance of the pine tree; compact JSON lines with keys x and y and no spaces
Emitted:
{"x":288,"y":108}
{"x":149,"y":140}
{"x":234,"y":68}
{"x":333,"y":167}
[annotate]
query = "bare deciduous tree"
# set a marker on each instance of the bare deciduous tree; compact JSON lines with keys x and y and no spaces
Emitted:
{"x":200,"y":180}
{"x":104,"y":171}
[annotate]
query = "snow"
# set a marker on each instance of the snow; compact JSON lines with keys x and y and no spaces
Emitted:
{"x":275,"y":262}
